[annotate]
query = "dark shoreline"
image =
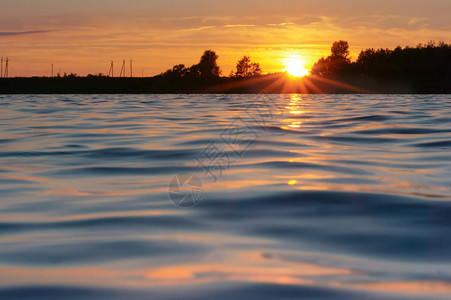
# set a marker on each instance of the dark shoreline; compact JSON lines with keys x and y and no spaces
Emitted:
{"x":270,"y":84}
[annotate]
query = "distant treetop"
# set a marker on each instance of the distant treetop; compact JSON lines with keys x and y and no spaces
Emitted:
{"x":246,"y":68}
{"x":340,"y":49}
{"x":206,"y":68}
{"x":208,"y":65}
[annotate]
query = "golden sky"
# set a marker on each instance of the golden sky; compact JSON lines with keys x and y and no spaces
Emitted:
{"x":84,"y":36}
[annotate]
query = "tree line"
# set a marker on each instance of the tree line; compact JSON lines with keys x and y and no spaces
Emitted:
{"x":208,"y":68}
{"x":426,"y":64}
{"x":431,"y":61}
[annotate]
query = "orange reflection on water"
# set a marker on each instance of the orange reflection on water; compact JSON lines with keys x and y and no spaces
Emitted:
{"x":80,"y":193}
{"x":408,"y":287}
{"x":97,"y":276}
{"x":245,"y":267}
{"x":190,"y":274}
{"x":294,"y":107}
{"x":27,"y":178}
{"x":240,"y":266}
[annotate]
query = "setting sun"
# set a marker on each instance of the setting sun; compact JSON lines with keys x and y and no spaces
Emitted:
{"x":295,"y":66}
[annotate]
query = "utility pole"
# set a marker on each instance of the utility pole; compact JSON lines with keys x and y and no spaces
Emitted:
{"x":5,"y":74}
{"x":52,"y":70}
{"x":131,"y":68}
{"x":110,"y":72}
{"x":1,"y":73}
{"x":122,"y":74}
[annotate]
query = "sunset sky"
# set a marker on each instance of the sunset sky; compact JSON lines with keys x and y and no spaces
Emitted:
{"x":83,"y":36}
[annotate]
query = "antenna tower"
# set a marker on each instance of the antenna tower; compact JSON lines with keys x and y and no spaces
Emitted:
{"x":111,"y":71}
{"x":122,"y":74}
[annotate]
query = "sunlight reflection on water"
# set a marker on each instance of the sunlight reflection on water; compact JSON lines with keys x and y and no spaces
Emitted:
{"x":337,"y":197}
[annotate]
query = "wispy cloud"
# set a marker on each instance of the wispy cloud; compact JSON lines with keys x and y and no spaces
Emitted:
{"x":239,"y":25}
{"x":24,"y":32}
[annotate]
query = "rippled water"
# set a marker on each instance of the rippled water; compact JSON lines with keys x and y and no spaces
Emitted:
{"x":312,"y":197}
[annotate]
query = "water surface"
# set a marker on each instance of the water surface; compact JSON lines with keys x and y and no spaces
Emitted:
{"x":313,"y":197}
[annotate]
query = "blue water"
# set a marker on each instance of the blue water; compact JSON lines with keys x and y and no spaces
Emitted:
{"x":298,"y":197}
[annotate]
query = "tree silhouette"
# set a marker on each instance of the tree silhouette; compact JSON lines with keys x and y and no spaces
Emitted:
{"x":179,"y":70}
{"x":340,"y":50}
{"x":246,"y":68}
{"x":426,"y":62}
{"x":194,"y":71}
{"x":208,"y":67}
{"x":424,"y":68}
{"x":320,"y":68}
{"x":337,"y":63}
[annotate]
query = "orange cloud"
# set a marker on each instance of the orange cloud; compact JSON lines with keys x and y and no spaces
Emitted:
{"x":84,"y":37}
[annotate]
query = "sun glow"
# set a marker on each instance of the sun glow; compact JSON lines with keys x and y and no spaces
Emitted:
{"x":295,"y":66}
